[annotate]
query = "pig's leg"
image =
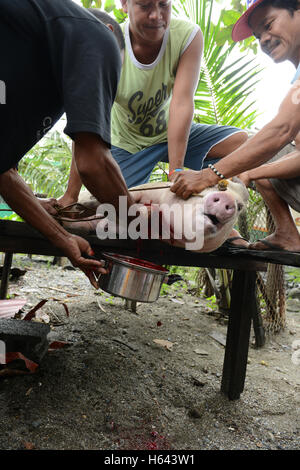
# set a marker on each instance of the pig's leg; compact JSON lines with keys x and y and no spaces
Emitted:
{"x":286,"y":235}
{"x":74,"y":185}
{"x":84,"y":227}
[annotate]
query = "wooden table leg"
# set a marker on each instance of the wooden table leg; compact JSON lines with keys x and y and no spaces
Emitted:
{"x":258,"y":327}
{"x":5,"y":275}
{"x":243,"y":303}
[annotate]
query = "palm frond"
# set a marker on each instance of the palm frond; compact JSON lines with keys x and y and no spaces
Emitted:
{"x":46,"y":167}
{"x":227,"y":79}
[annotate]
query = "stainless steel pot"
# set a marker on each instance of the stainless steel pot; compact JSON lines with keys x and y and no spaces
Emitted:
{"x":132,"y":278}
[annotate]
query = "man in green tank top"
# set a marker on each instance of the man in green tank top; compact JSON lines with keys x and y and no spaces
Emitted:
{"x":152,"y":116}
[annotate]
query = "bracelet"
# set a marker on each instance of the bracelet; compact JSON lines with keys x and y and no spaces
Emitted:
{"x":173,"y":171}
{"x":211,"y":166}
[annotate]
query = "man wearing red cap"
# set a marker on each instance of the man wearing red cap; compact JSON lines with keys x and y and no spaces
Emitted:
{"x":276,"y":24}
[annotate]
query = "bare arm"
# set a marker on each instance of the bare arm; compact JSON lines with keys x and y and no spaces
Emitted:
{"x":98,"y":171}
{"x":74,"y":184}
{"x":253,"y":153}
{"x":286,"y":167}
{"x":182,"y":103}
{"x":21,"y":199}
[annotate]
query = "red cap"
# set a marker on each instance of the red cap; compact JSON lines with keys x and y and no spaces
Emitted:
{"x":241,"y":29}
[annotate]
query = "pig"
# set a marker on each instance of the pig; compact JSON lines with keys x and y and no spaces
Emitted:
{"x":216,"y":209}
{"x":207,"y":223}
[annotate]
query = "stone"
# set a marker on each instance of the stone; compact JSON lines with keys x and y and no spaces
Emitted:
{"x":294,"y":293}
{"x":201,"y":352}
{"x":197,"y":411}
{"x":26,"y":337}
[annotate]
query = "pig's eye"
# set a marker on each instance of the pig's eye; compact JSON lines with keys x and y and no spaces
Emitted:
{"x":239,"y":207}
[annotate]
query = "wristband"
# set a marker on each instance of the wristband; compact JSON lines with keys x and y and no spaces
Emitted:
{"x":211,"y":166}
{"x":173,"y":171}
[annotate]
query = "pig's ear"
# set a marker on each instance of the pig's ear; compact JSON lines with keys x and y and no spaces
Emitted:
{"x":243,"y":191}
{"x":236,"y":179}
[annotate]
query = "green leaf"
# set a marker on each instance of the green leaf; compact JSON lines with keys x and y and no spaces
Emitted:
{"x":46,"y":167}
{"x":229,"y":17}
{"x":109,"y":5}
{"x":87,"y":3}
{"x":120,"y":15}
{"x":223,"y":35}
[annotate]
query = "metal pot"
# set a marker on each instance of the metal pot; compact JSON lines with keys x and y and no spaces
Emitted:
{"x":132,"y":278}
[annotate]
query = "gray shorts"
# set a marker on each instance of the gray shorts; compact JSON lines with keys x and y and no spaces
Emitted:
{"x":289,"y":191}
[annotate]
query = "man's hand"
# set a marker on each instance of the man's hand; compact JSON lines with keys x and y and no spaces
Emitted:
{"x":245,"y":178}
{"x":189,"y":182}
{"x":50,"y":205}
{"x":75,"y":249}
{"x":173,"y":176}
{"x":21,"y":199}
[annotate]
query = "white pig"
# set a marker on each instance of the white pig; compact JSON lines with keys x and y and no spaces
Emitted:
{"x":202,"y":223}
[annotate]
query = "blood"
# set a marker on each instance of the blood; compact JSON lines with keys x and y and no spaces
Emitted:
{"x":139,"y":262}
{"x":144,"y":441}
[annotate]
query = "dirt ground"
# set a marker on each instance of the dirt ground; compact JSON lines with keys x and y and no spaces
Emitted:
{"x":115,"y":387}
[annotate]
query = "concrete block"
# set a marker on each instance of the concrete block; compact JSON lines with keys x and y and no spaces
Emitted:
{"x":26,"y":337}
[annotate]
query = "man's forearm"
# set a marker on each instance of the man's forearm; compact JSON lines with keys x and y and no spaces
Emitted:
{"x":256,"y":150}
{"x":286,"y":167}
{"x":99,"y":172}
{"x":178,"y":134}
{"x":21,"y":199}
{"x":74,"y":182}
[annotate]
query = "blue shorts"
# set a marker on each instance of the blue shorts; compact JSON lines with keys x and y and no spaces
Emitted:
{"x":137,"y":167}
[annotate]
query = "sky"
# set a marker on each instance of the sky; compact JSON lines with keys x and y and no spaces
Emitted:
{"x":274,"y":85}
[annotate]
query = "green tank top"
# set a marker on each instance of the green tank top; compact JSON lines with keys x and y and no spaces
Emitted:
{"x":141,"y":109}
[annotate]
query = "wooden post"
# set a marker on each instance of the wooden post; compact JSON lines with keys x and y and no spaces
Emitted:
{"x":243,"y":304}
{"x":5,"y":275}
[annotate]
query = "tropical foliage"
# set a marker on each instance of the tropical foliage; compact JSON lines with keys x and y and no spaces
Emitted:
{"x":226,"y":84}
{"x":228,"y":78}
{"x":47,"y":166}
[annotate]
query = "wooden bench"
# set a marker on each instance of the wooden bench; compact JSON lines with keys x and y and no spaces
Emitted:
{"x":18,"y":237}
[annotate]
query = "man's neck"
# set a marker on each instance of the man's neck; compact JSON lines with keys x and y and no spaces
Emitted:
{"x":144,"y":52}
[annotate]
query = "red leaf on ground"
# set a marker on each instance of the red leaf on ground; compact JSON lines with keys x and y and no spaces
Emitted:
{"x":58,"y":345}
{"x":31,"y":314}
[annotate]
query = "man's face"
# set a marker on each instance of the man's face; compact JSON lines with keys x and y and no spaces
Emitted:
{"x":278,"y":33}
{"x":149,"y":19}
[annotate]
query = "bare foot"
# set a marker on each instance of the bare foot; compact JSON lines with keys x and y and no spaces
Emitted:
{"x":236,"y":239}
{"x":85,"y":227}
{"x":276,"y":242}
{"x":66,"y":200}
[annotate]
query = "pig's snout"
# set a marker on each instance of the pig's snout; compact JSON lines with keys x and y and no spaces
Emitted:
{"x":220,"y":205}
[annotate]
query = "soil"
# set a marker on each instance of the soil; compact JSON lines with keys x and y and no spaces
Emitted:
{"x":115,"y":387}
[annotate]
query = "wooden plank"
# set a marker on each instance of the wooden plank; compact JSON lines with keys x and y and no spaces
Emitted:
{"x":18,"y":237}
{"x":243,"y":304}
{"x":5,"y":275}
{"x":232,"y":257}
